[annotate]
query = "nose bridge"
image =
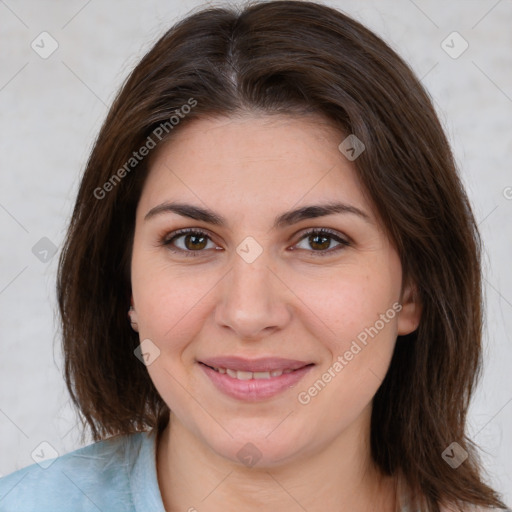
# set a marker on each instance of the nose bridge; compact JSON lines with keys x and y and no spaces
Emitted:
{"x":252,"y":298}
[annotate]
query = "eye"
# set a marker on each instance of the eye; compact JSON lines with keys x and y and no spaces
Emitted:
{"x":189,"y":242}
{"x":320,"y":241}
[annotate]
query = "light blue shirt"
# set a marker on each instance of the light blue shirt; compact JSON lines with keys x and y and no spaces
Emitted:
{"x":114,"y":475}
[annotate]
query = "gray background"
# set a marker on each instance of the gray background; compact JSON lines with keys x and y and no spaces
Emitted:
{"x":51,"y":110}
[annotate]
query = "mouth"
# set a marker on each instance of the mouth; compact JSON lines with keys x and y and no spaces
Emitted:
{"x":246,"y":375}
{"x":256,"y":380}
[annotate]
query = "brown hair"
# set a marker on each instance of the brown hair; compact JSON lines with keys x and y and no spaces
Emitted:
{"x":289,"y":57}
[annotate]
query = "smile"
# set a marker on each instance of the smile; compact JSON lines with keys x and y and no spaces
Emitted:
{"x":243,"y":375}
{"x":253,"y":386}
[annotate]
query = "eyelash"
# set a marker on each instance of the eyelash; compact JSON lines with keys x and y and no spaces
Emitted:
{"x":169,"y":239}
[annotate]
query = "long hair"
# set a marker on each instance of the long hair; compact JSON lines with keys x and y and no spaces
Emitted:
{"x":289,"y":57}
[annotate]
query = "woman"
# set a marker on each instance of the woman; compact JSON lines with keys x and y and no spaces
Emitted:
{"x":270,"y":290}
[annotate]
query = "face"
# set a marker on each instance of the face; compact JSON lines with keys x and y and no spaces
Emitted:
{"x":230,"y":273}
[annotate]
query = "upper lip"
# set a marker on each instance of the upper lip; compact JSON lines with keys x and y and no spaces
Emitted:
{"x":265,"y":364}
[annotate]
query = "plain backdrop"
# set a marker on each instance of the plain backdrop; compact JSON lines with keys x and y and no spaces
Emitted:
{"x":51,"y":110}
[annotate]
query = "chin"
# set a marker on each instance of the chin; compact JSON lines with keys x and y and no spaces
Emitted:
{"x":255,"y":448}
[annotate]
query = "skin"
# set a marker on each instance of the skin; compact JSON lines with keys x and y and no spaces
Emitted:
{"x":290,"y":303}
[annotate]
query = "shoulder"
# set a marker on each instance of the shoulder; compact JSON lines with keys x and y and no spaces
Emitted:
{"x":86,"y":479}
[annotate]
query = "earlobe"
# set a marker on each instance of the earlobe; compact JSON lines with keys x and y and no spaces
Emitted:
{"x":132,"y":315}
{"x":410,"y":314}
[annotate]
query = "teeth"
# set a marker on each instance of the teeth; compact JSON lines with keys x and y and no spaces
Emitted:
{"x":231,"y":373}
{"x":264,"y":375}
{"x":242,"y":375}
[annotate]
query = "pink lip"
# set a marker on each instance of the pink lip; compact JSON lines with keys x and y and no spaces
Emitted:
{"x":265,"y":364}
{"x":253,"y":390}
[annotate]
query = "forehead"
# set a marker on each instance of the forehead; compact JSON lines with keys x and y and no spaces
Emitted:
{"x":253,"y":162}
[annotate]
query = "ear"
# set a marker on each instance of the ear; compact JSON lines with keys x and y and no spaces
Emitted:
{"x":410,"y":314}
{"x":132,"y":314}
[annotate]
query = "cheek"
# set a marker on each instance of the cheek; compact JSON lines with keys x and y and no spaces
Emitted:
{"x":168,"y":311}
{"x":345,"y":302}
{"x":347,"y":381}
{"x":355,"y":318}
{"x":170,"y":302}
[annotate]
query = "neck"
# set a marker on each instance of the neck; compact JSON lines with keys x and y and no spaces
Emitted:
{"x":339,"y":476}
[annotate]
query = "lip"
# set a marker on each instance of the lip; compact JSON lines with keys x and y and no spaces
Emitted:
{"x":264,"y":364}
{"x":254,"y":390}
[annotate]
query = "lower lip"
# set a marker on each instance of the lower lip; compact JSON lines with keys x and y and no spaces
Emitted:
{"x":253,"y":390}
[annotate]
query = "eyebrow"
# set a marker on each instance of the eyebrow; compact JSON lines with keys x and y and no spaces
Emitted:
{"x":286,"y":219}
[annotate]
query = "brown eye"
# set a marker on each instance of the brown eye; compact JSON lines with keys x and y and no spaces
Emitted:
{"x":188,"y":242}
{"x":195,"y":242}
{"x":319,"y":242}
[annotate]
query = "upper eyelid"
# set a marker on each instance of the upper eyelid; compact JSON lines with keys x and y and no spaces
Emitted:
{"x":186,"y":231}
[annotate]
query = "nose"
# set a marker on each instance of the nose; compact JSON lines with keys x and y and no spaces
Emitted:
{"x":253,"y":300}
